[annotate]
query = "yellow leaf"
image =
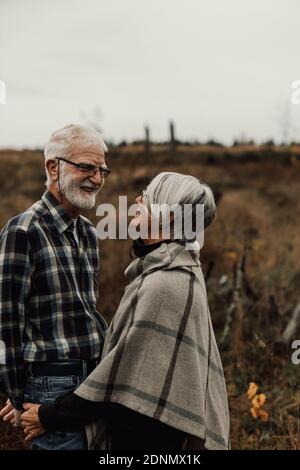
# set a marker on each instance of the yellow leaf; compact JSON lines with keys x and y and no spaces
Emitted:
{"x":254,"y":412}
{"x":252,"y":389}
{"x":258,"y":400}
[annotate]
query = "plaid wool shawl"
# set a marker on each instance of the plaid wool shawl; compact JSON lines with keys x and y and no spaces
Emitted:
{"x":160,"y":356}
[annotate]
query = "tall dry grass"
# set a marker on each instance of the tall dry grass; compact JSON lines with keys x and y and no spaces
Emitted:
{"x":259,"y":207}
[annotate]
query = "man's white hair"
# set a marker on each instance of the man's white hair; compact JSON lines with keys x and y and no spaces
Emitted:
{"x":170,"y":188}
{"x":63,"y":140}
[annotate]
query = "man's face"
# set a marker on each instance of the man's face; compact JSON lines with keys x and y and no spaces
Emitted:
{"x":78,"y":187}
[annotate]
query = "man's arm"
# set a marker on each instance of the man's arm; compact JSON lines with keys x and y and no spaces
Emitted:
{"x":15,"y":281}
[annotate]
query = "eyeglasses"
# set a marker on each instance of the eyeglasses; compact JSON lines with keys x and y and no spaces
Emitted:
{"x":87,"y":169}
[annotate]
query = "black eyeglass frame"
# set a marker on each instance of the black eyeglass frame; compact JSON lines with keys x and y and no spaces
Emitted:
{"x":87,"y":168}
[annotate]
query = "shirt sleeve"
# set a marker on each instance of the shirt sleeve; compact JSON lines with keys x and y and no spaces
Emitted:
{"x":128,"y":428}
{"x":15,"y":283}
{"x":70,"y":413}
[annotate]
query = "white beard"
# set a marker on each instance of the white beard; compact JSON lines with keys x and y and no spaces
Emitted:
{"x":70,"y":189}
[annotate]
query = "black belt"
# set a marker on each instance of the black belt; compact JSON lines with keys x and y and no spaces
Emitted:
{"x":61,"y":368}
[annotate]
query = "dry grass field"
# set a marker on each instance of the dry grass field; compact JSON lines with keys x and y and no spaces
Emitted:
{"x":252,"y":249}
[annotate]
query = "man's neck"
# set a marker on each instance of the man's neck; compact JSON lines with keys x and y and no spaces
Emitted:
{"x":71,"y":210}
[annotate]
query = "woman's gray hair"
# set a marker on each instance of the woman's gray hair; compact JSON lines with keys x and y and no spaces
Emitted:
{"x":63,"y":140}
{"x":170,"y":188}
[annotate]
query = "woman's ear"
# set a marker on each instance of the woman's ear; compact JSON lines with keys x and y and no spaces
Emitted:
{"x":52,"y":168}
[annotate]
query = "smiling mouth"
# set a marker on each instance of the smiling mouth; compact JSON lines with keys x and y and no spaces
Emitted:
{"x":88,"y":190}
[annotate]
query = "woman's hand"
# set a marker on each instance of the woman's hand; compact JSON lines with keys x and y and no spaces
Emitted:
{"x":30,"y":421}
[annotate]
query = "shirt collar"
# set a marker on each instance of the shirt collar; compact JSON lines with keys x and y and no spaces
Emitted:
{"x":59,"y":214}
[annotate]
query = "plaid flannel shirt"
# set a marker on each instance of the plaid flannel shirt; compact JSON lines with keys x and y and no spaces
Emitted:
{"x":48,"y":292}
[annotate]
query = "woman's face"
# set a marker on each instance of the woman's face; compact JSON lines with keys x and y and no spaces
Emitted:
{"x":143,"y":220}
{"x":141,"y":213}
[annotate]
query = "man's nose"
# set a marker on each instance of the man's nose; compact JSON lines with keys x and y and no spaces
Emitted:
{"x":96,"y":179}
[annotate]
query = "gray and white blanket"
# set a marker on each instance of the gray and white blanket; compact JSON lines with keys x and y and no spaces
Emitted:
{"x":160,"y":356}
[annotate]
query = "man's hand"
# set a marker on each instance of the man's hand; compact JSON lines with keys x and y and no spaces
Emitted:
{"x":30,"y":421}
{"x":11,"y":415}
{"x":8,"y":412}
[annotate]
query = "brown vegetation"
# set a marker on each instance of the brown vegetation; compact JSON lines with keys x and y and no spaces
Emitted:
{"x":258,"y":217}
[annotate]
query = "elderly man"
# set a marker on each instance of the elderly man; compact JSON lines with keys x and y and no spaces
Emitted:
{"x":52,"y":332}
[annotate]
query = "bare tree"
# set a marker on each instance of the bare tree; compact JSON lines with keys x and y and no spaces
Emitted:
{"x":293,"y":326}
{"x":285,"y":122}
{"x":172,"y":137}
{"x":147,"y":140}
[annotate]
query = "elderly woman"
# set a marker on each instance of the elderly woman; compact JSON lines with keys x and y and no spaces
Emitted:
{"x":160,"y":382}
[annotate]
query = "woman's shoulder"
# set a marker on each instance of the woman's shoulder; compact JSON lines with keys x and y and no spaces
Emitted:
{"x":174,"y":282}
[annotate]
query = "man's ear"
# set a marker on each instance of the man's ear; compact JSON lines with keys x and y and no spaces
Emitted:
{"x":52,"y":167}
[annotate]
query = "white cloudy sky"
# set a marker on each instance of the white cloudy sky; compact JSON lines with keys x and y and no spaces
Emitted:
{"x":219,"y":68}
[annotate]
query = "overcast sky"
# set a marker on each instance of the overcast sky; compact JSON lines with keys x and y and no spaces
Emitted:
{"x":219,"y":68}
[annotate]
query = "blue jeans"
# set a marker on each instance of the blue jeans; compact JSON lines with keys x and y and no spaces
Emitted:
{"x":45,"y":390}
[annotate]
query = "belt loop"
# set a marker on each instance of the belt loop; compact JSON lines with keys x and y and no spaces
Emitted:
{"x":84,"y":369}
